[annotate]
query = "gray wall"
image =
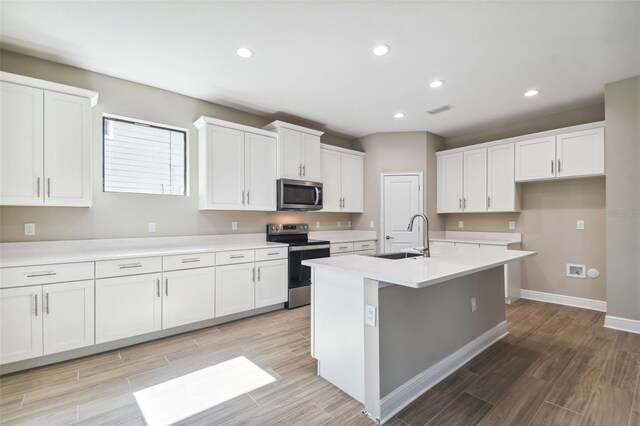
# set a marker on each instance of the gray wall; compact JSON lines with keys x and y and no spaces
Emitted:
{"x":549,"y":214}
{"x":126,"y":215}
{"x":622,"y":101}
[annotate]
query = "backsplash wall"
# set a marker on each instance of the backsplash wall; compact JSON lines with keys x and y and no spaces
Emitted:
{"x":127,"y":215}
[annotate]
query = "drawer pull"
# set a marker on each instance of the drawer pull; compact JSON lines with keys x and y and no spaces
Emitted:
{"x":191,"y":260}
{"x":365,"y":245}
{"x":46,"y":302}
{"x":41,"y":274}
{"x":273,"y":253}
{"x":130,"y":265}
{"x":237,"y":256}
{"x":343,"y":248}
{"x":35,"y":304}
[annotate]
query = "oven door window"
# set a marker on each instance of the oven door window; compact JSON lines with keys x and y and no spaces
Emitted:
{"x":300,"y":275}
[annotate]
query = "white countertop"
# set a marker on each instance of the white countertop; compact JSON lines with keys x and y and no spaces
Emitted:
{"x":343,"y":236}
{"x":50,"y":252}
{"x":472,"y":237}
{"x":444,"y":264}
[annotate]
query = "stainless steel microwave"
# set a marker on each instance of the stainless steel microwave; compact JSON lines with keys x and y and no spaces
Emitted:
{"x":299,"y":195}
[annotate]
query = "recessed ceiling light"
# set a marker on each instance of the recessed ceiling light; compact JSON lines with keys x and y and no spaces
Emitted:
{"x":532,"y":92}
{"x":244,"y":52}
{"x":436,"y":83}
{"x":381,"y":50}
{"x":398,"y":115}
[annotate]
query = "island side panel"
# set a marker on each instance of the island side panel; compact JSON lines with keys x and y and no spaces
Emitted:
{"x":338,"y":329}
{"x":419,"y":327}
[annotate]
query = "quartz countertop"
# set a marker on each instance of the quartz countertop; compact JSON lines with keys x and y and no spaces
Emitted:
{"x":343,"y":236}
{"x":70,"y":251}
{"x":472,"y":237}
{"x":445,"y":263}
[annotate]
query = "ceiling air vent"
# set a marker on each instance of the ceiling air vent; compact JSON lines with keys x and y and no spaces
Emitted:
{"x":438,"y":110}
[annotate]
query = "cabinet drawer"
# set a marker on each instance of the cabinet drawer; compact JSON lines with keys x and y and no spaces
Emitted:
{"x":231,"y":257}
{"x":370,"y":252}
{"x":364,"y":245}
{"x":131,"y":266}
{"x":272,"y":253}
{"x":188,"y":261}
{"x":45,"y":274}
{"x":341,"y":247}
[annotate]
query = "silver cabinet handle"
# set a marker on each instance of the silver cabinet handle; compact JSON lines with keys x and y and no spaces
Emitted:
{"x":273,"y":253}
{"x":300,"y":170}
{"x":41,"y":274}
{"x":243,"y":198}
{"x":559,"y":166}
{"x":191,"y":260}
{"x":130,"y":265}
{"x":46,"y":302}
{"x":166,"y":286}
{"x":304,"y":170}
{"x":248,"y":198}
{"x":35,"y":304}
{"x":364,"y":245}
{"x":488,"y":202}
{"x":259,"y":273}
{"x":464,"y":203}
{"x":253,"y":274}
{"x":49,"y":187}
{"x":343,"y":248}
{"x":552,"y":166}
{"x":158,"y":287}
{"x":459,"y":203}
{"x":38,"y":184}
{"x":237,"y":256}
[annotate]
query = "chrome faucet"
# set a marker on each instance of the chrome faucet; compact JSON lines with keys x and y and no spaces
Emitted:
{"x":425,"y":233}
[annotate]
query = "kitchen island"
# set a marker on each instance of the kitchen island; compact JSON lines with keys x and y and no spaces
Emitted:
{"x":385,"y":331}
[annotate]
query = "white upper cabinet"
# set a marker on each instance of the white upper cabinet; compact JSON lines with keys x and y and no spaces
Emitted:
{"x":237,"y":166}
{"x":298,"y":152}
{"x":342,"y":180}
{"x":580,"y":153}
{"x":535,"y":159}
{"x":450,"y":182}
{"x":474,"y":197}
{"x":45,"y":145}
{"x":502,"y":194}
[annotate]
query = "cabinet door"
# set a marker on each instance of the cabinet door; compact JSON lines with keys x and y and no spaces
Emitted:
{"x":68,"y":312}
{"x":331,"y":191}
{"x":351,"y":181}
{"x":580,"y":153}
{"x":235,"y":289}
{"x":475,"y":180}
{"x":67,"y":150}
{"x":535,"y":159}
{"x":20,"y":323}
{"x":225,"y":168}
{"x":450,"y":183}
{"x":290,"y":155}
{"x":310,"y":145}
{"x":21,"y":145}
{"x":501,"y":186}
{"x":260,"y":172}
{"x":188,"y":296}
{"x":128,"y":306}
{"x":271,"y":282}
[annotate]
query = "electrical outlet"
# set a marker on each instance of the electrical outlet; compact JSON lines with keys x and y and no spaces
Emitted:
{"x":29,"y":229}
{"x":460,"y":224}
{"x":152,"y":227}
{"x":348,"y":224}
{"x":473,"y":304}
{"x":370,"y":315}
{"x":371,"y":225}
{"x":234,"y":226}
{"x":512,"y":225}
{"x":339,"y":224}
{"x":580,"y":225}
{"x":317,"y":225}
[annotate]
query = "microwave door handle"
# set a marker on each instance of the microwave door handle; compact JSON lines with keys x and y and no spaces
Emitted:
{"x":317,"y":194}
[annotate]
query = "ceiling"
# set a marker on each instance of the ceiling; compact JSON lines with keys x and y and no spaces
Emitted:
{"x":313,"y":60}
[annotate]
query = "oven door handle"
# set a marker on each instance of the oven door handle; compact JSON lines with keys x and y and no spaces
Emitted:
{"x":305,"y":248}
{"x":317,"y":195}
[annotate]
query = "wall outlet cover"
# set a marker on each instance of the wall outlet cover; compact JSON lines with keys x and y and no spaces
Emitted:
{"x":317,"y":225}
{"x":370,"y":315}
{"x":473,"y":304}
{"x":371,"y":224}
{"x":348,"y":224}
{"x":234,"y":226}
{"x":152,"y":227}
{"x":460,"y":224}
{"x":29,"y":229}
{"x":575,"y":270}
{"x":512,"y":225}
{"x":580,"y":225}
{"x":339,"y":224}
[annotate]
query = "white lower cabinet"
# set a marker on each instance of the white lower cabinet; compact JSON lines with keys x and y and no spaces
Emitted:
{"x":271,"y":282}
{"x":20,"y":323}
{"x":68,"y":314}
{"x":128,"y":306}
{"x":189,"y":296}
{"x":235,"y":288}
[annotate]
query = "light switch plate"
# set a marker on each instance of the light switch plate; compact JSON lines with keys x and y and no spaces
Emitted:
{"x":370,"y":315}
{"x":317,"y":225}
{"x":512,"y":225}
{"x":234,"y":226}
{"x":371,"y":224}
{"x":348,"y":224}
{"x":580,"y":225}
{"x":473,"y":304}
{"x":339,"y":224}
{"x":152,"y":227}
{"x":460,"y":224}
{"x":29,"y":229}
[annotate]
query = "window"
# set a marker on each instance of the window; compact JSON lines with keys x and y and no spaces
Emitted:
{"x":143,"y":158}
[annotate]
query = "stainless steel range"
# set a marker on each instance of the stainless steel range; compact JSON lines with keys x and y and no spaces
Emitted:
{"x":300,"y":248}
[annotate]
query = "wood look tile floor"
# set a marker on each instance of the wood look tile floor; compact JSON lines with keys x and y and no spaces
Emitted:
{"x":558,"y":366}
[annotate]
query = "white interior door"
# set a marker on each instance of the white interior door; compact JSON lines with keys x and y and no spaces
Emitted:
{"x":501,"y":188}
{"x":21,"y":145}
{"x":401,"y":198}
{"x":260,"y":172}
{"x":225,"y":160}
{"x":475,"y":181}
{"x":352,"y":183}
{"x":580,"y":153}
{"x":535,"y":159}
{"x":450,"y":175}
{"x":330,"y":180}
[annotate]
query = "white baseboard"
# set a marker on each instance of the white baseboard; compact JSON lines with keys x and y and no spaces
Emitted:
{"x":413,"y":388}
{"x":624,"y":324}
{"x":578,"y":302}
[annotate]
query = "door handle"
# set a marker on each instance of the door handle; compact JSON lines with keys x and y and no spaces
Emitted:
{"x":464,"y":202}
{"x":389,"y":237}
{"x":459,"y":203}
{"x":243,"y":198}
{"x":253,"y":274}
{"x":488,"y":202}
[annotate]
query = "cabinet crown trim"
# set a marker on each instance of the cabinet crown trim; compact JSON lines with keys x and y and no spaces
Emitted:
{"x":49,"y":85}
{"x":276,"y":125}
{"x":547,"y":133}
{"x":340,"y":149}
{"x":203,"y":121}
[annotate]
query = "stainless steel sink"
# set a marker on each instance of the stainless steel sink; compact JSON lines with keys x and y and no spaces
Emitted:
{"x":397,"y":256}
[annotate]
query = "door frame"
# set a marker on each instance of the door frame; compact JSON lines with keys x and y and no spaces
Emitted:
{"x":381,"y":245}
